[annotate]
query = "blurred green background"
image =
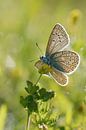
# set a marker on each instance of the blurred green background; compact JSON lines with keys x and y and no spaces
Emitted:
{"x":23,"y":23}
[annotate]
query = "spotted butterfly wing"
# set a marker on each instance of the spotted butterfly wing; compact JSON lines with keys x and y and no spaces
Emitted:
{"x":65,"y":61}
{"x":58,"y":39}
{"x":57,"y":75}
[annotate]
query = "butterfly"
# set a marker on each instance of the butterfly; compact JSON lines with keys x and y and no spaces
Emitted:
{"x":60,"y":62}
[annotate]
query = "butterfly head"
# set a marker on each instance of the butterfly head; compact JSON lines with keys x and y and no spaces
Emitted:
{"x":45,"y":59}
{"x":42,"y":57}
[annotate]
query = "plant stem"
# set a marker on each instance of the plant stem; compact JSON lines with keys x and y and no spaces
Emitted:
{"x":28,"y":122}
{"x":38,"y":79}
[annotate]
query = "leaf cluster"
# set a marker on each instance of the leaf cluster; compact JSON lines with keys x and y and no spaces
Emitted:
{"x":35,"y":94}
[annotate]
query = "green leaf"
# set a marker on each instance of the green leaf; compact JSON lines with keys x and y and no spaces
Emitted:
{"x":36,"y":96}
{"x":29,"y":83}
{"x":42,"y":93}
{"x":23,"y":101}
{"x":31,"y":104}
{"x":31,"y":89}
{"x":50,"y":94}
{"x":46,"y":95}
{"x":29,"y":86}
{"x":34,"y":89}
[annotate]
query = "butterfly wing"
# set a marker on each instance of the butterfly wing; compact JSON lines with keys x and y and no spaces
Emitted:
{"x":67,"y":60}
{"x":59,"y":77}
{"x":39,"y":64}
{"x":58,"y":39}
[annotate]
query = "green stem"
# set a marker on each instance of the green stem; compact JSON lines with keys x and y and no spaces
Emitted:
{"x":38,"y":79}
{"x":28,"y":122}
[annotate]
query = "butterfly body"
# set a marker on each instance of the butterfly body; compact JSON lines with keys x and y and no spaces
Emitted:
{"x":49,"y":60}
{"x":45,"y":59}
{"x":58,"y":62}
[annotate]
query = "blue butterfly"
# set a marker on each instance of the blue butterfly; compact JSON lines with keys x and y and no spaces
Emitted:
{"x":60,"y":61}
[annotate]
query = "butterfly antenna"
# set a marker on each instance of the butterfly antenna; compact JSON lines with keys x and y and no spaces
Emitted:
{"x":39,"y":48}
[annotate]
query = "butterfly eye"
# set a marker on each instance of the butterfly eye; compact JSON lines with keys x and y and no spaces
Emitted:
{"x":41,"y":57}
